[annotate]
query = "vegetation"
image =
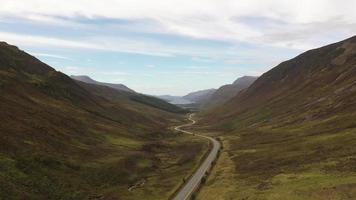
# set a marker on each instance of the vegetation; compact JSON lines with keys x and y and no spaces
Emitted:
{"x":157,"y":103}
{"x":63,"y":140}
{"x":119,"y":95}
{"x":291,"y":135}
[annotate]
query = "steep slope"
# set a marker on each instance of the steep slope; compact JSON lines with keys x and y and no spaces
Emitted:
{"x":118,"y":92}
{"x":87,"y":79}
{"x":62,"y":140}
{"x":199,"y":97}
{"x":311,"y":81}
{"x":291,"y":134}
{"x":227,"y":92}
{"x":177,"y":100}
{"x":115,"y":95}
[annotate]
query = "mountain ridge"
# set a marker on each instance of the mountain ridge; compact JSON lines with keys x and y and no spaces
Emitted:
{"x":226,"y":92}
{"x":200,"y":96}
{"x":270,"y":84}
{"x":292,"y":128}
{"x":65,"y":139}
{"x":87,"y":79}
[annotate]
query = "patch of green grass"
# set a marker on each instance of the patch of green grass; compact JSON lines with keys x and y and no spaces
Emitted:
{"x":8,"y":167}
{"x":123,"y":141}
{"x":157,"y":103}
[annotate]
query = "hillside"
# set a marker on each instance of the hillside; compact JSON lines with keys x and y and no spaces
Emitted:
{"x":176,"y":100}
{"x":87,"y":79}
{"x":308,"y":82}
{"x":197,"y":97}
{"x":200,"y":97}
{"x":227,"y":92}
{"x":291,"y":134}
{"x":116,"y":92}
{"x":211,"y":97}
{"x":64,"y":140}
{"x":116,"y":95}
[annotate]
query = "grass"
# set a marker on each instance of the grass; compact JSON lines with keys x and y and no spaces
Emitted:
{"x":174,"y":166}
{"x":162,"y":163}
{"x":292,"y":134}
{"x":217,"y":182}
{"x":81,"y":155}
{"x":123,"y":141}
{"x":157,"y":103}
{"x":315,"y":160}
{"x":62,"y":140}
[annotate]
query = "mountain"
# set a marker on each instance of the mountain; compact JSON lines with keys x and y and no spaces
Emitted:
{"x":305,"y":85}
{"x":227,"y":92}
{"x":112,"y":93}
{"x":197,"y":97}
{"x":65,"y":139}
{"x":87,"y":79}
{"x":177,"y":100}
{"x":200,"y":97}
{"x":120,"y":95}
{"x":291,"y":134}
{"x":211,"y":97}
{"x":245,"y":81}
{"x":108,"y":90}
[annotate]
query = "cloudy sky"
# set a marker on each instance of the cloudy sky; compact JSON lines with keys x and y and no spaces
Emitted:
{"x":172,"y":46}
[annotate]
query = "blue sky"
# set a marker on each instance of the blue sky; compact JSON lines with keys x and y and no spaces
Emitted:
{"x":172,"y":47}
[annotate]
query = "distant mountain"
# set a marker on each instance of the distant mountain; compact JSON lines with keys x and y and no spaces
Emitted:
{"x":119,"y":91}
{"x":191,"y":98}
{"x":177,"y":100}
{"x":119,"y":95}
{"x":226,"y":92}
{"x":211,"y":97}
{"x":87,"y":79}
{"x":200,"y":97}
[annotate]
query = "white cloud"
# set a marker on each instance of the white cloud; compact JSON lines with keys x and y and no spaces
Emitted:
{"x":114,"y":73}
{"x":74,"y":70}
{"x":202,"y":59}
{"x":92,"y":71}
{"x":126,"y":46}
{"x":210,"y":19}
{"x":49,"y":55}
{"x":254,"y":33}
{"x":151,"y":66}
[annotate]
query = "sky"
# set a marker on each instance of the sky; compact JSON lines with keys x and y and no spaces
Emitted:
{"x":172,"y":46}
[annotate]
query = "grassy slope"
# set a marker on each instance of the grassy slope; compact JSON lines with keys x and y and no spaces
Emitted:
{"x":292,"y":134}
{"x":124,"y":96}
{"x":61,"y":141}
{"x":227,"y":92}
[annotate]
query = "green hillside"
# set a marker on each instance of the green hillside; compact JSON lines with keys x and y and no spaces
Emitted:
{"x":62,"y":140}
{"x":121,"y":96}
{"x":291,"y":134}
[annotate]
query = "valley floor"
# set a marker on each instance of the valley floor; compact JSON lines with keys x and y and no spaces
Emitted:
{"x":157,"y":166}
{"x":179,"y":158}
{"x":309,"y":162}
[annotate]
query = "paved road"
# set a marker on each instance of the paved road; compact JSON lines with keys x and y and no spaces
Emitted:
{"x":186,"y":191}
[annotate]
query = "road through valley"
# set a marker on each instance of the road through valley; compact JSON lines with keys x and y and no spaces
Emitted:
{"x":188,"y":188}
